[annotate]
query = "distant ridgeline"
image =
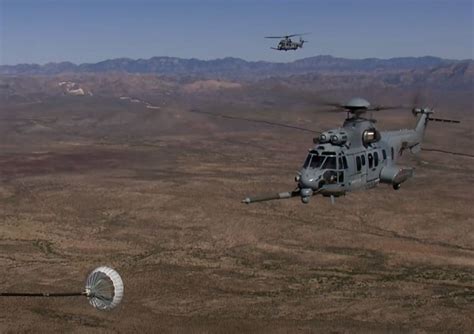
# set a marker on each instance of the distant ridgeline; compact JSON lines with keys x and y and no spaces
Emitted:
{"x":235,"y":68}
{"x":128,"y":77}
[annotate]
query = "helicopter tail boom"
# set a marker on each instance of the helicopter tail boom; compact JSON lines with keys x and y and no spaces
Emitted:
{"x":426,"y":116}
{"x":423,"y":120}
{"x":412,"y":138}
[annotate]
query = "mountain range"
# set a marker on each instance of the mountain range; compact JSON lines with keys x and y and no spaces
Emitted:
{"x":235,"y":68}
{"x":165,"y":78}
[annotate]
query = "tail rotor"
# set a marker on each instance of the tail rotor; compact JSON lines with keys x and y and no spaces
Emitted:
{"x":417,"y":110}
{"x":302,"y":41}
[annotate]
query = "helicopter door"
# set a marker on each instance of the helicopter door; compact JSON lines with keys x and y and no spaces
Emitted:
{"x":342,"y":165}
{"x":373,"y":162}
{"x":356,"y":175}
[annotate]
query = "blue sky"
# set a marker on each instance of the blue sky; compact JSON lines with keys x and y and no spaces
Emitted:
{"x":41,"y":31}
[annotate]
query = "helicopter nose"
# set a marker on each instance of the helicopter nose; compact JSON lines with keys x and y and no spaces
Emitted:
{"x":308,"y":180}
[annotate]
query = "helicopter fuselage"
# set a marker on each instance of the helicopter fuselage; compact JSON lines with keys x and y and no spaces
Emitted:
{"x":288,"y":44}
{"x":355,"y":157}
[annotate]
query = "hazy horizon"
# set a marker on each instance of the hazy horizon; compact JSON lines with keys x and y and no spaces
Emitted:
{"x":212,"y":59}
{"x":44,"y":31}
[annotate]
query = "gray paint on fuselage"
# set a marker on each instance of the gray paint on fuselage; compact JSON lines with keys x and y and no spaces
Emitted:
{"x":368,"y":176}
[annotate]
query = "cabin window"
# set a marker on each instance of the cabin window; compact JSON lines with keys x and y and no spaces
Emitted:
{"x":384,"y":155}
{"x":393,"y":155}
{"x":359,"y":166}
{"x":371,"y":160}
{"x":363,"y":160}
{"x":330,"y":163}
{"x":341,"y":177}
{"x":344,"y":161}
{"x":376,"y":159}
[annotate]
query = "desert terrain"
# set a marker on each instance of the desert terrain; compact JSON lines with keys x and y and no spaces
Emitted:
{"x":153,"y":190}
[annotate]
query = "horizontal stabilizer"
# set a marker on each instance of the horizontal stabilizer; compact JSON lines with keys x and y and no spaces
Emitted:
{"x":415,"y":149}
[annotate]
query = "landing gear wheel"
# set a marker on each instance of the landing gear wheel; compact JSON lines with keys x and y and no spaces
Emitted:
{"x":396,"y":186}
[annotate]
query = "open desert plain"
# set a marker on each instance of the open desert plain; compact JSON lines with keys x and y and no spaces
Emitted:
{"x":137,"y":172}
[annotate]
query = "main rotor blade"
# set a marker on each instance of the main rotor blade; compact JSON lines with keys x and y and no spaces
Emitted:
{"x":328,"y":103}
{"x":335,"y":105}
{"x":305,"y":33}
{"x":447,"y":152}
{"x":380,"y":108}
{"x":253,"y":120}
{"x":416,"y":100}
{"x":337,"y":109}
{"x":288,"y":36}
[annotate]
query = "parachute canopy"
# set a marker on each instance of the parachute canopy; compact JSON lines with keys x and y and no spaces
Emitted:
{"x":104,"y":288}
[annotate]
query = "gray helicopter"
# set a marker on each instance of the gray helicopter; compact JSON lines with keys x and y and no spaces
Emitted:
{"x":356,"y":156}
{"x":286,"y":43}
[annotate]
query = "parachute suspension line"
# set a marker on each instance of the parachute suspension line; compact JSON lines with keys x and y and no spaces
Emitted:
{"x":41,"y":294}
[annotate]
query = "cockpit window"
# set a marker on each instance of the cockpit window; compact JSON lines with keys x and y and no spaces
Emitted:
{"x":306,"y":162}
{"x":330,"y":163}
{"x":317,"y":161}
{"x":313,"y":161}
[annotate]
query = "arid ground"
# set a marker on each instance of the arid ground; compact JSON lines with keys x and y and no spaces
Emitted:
{"x":155,"y":193}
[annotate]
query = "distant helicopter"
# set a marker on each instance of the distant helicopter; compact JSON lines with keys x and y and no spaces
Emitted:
{"x":356,"y":156}
{"x":287,"y":44}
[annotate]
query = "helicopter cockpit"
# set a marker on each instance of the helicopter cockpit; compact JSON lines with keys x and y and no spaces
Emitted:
{"x":316,"y":161}
{"x":323,"y":168}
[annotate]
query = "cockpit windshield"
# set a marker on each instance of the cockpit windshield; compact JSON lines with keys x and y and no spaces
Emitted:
{"x":307,"y":161}
{"x":316,"y":161}
{"x":313,"y":161}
